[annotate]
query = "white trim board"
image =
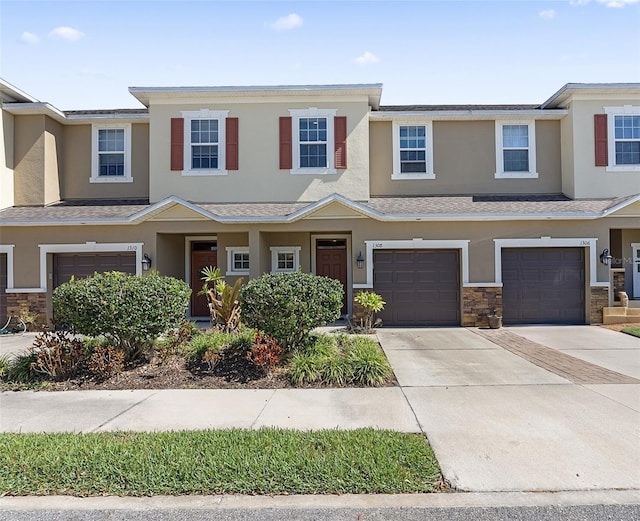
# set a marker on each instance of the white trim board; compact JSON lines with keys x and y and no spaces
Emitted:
{"x":8,"y":249}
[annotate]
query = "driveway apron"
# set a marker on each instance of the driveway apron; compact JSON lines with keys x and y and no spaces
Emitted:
{"x":503,"y":420}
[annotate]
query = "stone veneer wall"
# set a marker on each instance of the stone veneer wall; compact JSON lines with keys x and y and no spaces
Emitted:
{"x":31,"y":302}
{"x":618,"y":283}
{"x":599,"y":300}
{"x":357,"y":310}
{"x":479,"y":302}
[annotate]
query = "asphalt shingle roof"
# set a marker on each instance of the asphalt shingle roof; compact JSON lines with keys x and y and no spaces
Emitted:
{"x":457,"y":206}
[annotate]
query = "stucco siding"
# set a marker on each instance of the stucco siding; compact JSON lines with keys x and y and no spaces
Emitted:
{"x":29,"y":157}
{"x":259,"y":178}
{"x":590,"y":180}
{"x":53,"y":166}
{"x":77,"y":170}
{"x":464,"y":160}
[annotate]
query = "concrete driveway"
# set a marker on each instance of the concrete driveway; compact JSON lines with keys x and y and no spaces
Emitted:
{"x":498,"y":422}
{"x":11,"y":345}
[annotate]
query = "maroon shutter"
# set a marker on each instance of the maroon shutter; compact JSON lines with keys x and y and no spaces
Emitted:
{"x":286,"y":143}
{"x":231,"y":151}
{"x":602,"y":148}
{"x":340,"y":140}
{"x":177,"y":144}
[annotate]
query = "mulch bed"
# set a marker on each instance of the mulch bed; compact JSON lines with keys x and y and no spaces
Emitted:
{"x":174,"y":372}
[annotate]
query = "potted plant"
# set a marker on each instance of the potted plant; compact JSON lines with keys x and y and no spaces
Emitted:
{"x":495,"y":320}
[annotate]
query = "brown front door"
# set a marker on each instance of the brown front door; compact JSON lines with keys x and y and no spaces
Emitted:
{"x":331,"y":261}
{"x":203,"y":254}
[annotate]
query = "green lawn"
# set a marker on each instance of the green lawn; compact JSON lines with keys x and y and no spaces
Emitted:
{"x":266,"y":461}
{"x":632,"y":330}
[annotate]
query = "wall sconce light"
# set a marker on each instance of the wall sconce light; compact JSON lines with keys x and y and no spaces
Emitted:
{"x":146,"y":262}
{"x":360,"y":261}
{"x":605,"y":257}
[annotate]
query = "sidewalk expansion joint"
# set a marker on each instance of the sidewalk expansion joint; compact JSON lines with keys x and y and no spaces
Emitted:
{"x":253,"y":424}
{"x":573,"y":369}
{"x":122,"y":412}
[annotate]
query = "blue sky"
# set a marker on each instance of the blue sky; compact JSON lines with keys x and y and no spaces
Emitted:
{"x":84,"y":54}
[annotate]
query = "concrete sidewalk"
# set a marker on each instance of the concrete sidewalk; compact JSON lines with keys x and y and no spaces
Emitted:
{"x":497,"y":420}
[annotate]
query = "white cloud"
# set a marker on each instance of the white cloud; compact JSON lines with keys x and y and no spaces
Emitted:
{"x":68,"y":34}
{"x":548,"y":14}
{"x":367,"y":59}
{"x":618,"y":3}
{"x":30,"y":38}
{"x":579,"y":2}
{"x":286,"y":23}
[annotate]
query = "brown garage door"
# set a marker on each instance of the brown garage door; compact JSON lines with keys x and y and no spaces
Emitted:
{"x":420,"y":287}
{"x":3,"y":287}
{"x":80,"y":265}
{"x":543,"y":286}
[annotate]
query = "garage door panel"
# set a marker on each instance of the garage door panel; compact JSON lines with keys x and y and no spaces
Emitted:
{"x":421,"y":287}
{"x":543,"y":285}
{"x":82,"y":265}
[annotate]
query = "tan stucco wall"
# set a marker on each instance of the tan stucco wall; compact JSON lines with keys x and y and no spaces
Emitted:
{"x":6,"y":160}
{"x":590,"y":180}
{"x":52,"y":160}
{"x":168,"y":251}
{"x":259,"y":177}
{"x":77,"y":171}
{"x":464,"y":161}
{"x":29,"y":157}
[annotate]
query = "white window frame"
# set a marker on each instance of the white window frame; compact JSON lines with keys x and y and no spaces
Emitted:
{"x":500,"y":172}
{"x":191,"y":115}
{"x":612,"y":112}
{"x":277,"y":250}
{"x":397,"y":174}
{"x":312,"y":112}
{"x":95,"y":161}
{"x":232,"y":251}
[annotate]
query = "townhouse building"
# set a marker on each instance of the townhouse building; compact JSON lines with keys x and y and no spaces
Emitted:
{"x":447,"y":211}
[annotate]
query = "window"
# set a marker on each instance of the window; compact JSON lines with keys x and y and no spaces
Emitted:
{"x":313,"y":141}
{"x":237,"y":261}
{"x":285,"y":259}
{"x":204,"y":142}
{"x":515,"y":150}
{"x":412,"y":145}
{"x":111,"y":159}
{"x":624,"y":140}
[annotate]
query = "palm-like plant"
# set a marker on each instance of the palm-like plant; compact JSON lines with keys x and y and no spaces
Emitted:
{"x":224,"y":303}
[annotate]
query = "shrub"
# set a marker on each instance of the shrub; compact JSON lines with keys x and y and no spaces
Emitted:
{"x":177,"y":339}
{"x":265,"y":351}
{"x":4,"y":365}
{"x":372,"y":303}
{"x":130,"y":311}
{"x":367,"y":362}
{"x":106,"y":361}
{"x":287,"y":306}
{"x":57,"y":354}
{"x":340,"y":360}
{"x":20,"y":368}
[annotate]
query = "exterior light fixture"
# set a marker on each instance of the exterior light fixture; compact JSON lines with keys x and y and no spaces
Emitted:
{"x":605,"y":257}
{"x":146,"y":262}
{"x":360,"y":261}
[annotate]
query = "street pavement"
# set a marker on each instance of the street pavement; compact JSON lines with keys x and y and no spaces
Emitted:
{"x":498,"y":419}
